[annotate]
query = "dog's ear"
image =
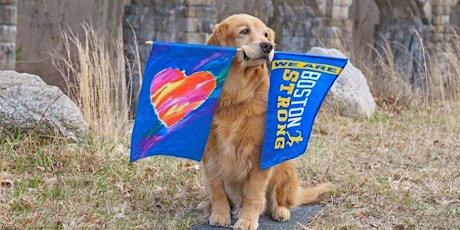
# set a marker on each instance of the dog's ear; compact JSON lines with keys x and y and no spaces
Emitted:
{"x":271,"y":35}
{"x":218,"y":35}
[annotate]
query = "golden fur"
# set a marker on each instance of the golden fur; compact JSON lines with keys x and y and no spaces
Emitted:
{"x":232,"y":174}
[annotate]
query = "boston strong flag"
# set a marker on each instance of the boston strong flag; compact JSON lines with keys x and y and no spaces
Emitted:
{"x":298,"y":85}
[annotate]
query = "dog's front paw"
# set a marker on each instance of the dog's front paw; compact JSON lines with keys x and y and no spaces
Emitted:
{"x":244,"y":224}
{"x":281,"y":214}
{"x":220,"y":219}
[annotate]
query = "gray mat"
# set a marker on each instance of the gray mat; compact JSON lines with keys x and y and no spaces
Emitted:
{"x":299,"y":215}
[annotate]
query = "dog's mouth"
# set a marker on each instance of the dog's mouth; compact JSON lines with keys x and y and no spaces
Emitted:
{"x":245,"y":56}
{"x":263,"y":57}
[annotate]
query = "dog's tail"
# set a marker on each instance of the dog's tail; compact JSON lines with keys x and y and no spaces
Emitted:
{"x":310,"y":194}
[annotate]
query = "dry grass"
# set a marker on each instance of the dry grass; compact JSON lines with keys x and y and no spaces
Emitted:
{"x":386,"y":78}
{"x":95,"y":82}
{"x":391,"y":171}
{"x":397,"y":170}
{"x":438,"y":78}
{"x":444,"y":73}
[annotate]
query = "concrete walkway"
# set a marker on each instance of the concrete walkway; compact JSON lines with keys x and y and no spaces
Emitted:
{"x":299,"y":216}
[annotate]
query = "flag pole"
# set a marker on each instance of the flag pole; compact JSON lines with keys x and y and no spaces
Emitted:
{"x":149,"y":43}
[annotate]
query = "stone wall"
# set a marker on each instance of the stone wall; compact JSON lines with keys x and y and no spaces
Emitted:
{"x":354,"y":26}
{"x":293,"y":34}
{"x":299,"y":25}
{"x":8,"y":21}
{"x":40,"y":23}
{"x":350,"y":25}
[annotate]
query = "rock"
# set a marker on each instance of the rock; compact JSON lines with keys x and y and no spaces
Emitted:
{"x":27,"y":102}
{"x":350,"y":94}
{"x":300,"y":216}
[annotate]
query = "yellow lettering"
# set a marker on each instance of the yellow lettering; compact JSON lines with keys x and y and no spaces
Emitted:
{"x":281,"y":130}
{"x":287,"y":64}
{"x":294,"y":76}
{"x":279,"y":143}
{"x":283,"y":102}
{"x":282,"y":115}
{"x":286,"y":75}
{"x":288,"y":89}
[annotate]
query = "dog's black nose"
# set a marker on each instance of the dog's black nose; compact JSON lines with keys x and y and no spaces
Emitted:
{"x":266,"y":47}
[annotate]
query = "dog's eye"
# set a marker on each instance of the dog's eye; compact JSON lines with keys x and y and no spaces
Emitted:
{"x":245,"y":31}
{"x":266,"y":34}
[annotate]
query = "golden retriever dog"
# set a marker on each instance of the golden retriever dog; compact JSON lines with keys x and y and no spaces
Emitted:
{"x":231,"y":161}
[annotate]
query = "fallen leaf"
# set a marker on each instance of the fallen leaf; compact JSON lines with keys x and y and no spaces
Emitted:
{"x":50,"y":181}
{"x":125,"y":189}
{"x":181,"y":194}
{"x":6,"y":183}
{"x":323,"y":131}
{"x":157,"y":190}
{"x":399,"y":227}
{"x":195,"y":167}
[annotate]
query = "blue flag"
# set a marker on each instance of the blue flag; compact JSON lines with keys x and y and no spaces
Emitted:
{"x":179,"y":94}
{"x":181,"y":87}
{"x":298,"y":85}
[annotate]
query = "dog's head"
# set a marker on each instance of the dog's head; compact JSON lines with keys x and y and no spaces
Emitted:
{"x":248,"y":33}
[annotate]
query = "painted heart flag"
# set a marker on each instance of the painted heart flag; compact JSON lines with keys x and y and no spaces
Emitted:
{"x":180,"y":89}
{"x":298,"y":85}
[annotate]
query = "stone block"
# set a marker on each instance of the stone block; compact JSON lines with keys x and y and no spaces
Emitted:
{"x":440,"y":19}
{"x":441,"y":10}
{"x":8,"y":33}
{"x":292,"y":43}
{"x":340,"y":12}
{"x":197,"y":25}
{"x":311,"y":42}
{"x":444,"y":2}
{"x":7,"y":56}
{"x":345,"y":25}
{"x":198,"y":2}
{"x":8,"y":15}
{"x":322,"y":4}
{"x":198,"y":12}
{"x":8,"y":2}
{"x":343,"y":2}
{"x":7,"y":48}
{"x":195,"y":38}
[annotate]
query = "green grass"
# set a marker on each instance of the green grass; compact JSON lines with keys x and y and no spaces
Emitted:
{"x":391,"y":171}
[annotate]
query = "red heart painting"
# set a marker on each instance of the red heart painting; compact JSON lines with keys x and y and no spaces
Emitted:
{"x":175,"y":95}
